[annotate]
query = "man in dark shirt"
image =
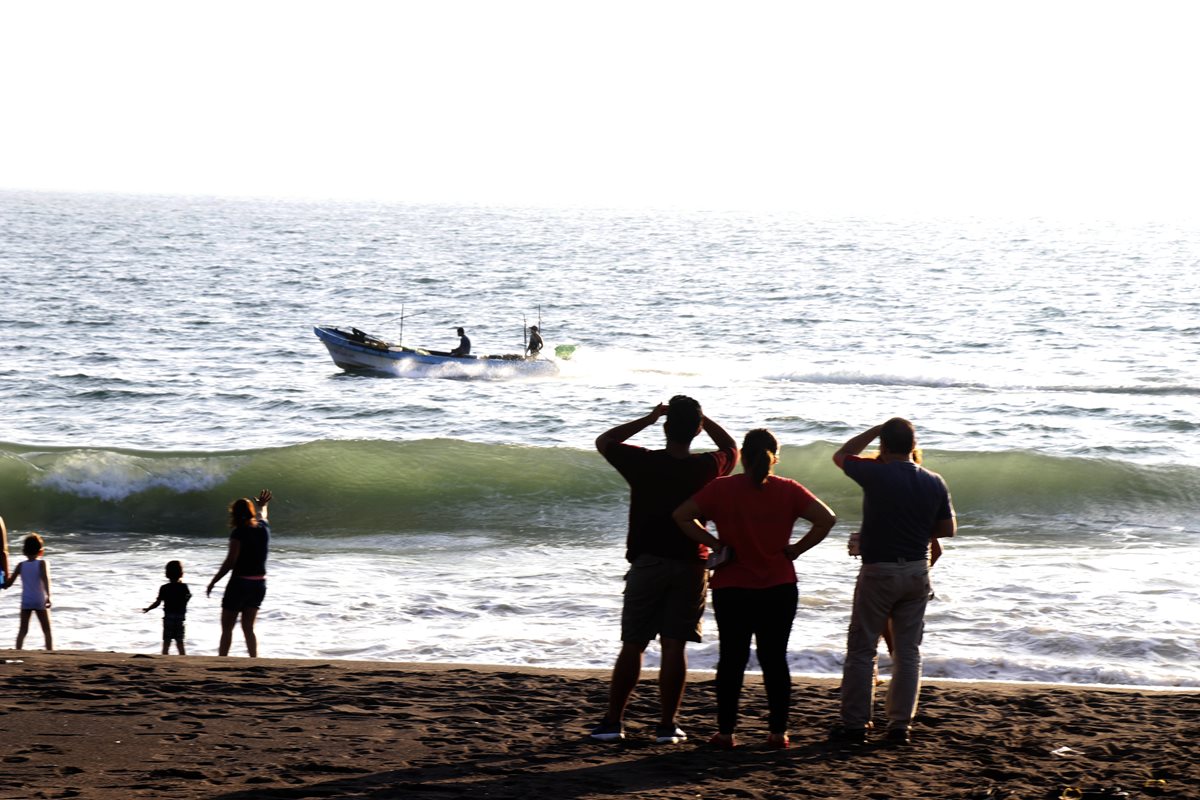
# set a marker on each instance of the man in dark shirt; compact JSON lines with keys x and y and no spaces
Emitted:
{"x":666,"y":584}
{"x":464,"y":345}
{"x":535,"y":342}
{"x":905,"y":507}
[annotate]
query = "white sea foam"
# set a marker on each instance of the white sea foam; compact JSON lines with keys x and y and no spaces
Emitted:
{"x":114,"y":476}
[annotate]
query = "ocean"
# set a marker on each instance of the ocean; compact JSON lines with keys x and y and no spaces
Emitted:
{"x":159,"y":361}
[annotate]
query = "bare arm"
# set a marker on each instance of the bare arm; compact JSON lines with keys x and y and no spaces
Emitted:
{"x":231,"y":558}
{"x":721,"y":439}
{"x":945,"y":529}
{"x":46,"y":580}
{"x":4,"y":552}
{"x":823,"y":519}
{"x":629,"y":429}
{"x":687,"y":517}
{"x":856,"y":445}
{"x":935,"y":551}
{"x":263,"y":498}
{"x":154,"y":605}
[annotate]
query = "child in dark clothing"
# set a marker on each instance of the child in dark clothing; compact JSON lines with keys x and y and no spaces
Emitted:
{"x":174,"y":597}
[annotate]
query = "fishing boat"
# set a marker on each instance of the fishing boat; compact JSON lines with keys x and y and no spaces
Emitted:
{"x":357,"y":351}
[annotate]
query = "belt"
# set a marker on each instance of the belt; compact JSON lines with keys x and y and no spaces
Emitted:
{"x":899,"y":560}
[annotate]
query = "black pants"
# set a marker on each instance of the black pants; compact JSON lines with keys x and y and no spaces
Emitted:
{"x":766,"y":615}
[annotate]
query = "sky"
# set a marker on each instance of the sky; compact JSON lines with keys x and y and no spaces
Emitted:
{"x":1007,"y":108}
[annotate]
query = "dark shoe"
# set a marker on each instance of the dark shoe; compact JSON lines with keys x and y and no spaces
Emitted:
{"x":608,"y":731}
{"x":899,"y":736}
{"x":669,"y":734}
{"x":722,"y":741}
{"x":848,"y":736}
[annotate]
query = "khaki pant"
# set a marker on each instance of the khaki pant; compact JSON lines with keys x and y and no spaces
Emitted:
{"x":899,"y":591}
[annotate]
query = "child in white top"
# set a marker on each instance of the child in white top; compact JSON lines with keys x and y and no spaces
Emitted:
{"x":34,"y":573}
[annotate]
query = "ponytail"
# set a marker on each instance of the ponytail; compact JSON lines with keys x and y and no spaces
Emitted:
{"x":759,"y":454}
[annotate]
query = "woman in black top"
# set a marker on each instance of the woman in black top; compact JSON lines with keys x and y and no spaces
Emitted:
{"x":247,"y":560}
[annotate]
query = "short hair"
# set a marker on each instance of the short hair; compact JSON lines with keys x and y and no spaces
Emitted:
{"x":684,"y":418}
{"x":32,"y":545}
{"x":461,"y":332}
{"x":174,"y":570}
{"x":898,"y":436}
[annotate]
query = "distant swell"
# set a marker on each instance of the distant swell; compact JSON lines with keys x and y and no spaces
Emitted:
{"x":852,"y":378}
{"x":348,"y":487}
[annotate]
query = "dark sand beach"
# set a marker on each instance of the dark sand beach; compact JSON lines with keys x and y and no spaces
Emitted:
{"x":110,"y":725}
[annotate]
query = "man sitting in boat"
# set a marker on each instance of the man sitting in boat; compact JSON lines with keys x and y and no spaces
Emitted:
{"x":535,"y":342}
{"x":464,"y":345}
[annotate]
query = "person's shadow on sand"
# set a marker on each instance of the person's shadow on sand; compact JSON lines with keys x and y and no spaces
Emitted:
{"x":557,"y":772}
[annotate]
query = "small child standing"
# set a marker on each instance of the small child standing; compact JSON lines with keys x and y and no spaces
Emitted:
{"x":174,"y":597}
{"x":34,"y":573}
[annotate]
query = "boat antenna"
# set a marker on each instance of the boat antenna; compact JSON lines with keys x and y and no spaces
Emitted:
{"x":402,"y":318}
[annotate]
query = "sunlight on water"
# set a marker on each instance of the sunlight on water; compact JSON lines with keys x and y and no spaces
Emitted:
{"x":162,"y":362}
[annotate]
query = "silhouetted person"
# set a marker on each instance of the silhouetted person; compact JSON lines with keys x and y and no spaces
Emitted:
{"x":535,"y":342}
{"x":173,"y":596}
{"x":464,"y":345}
{"x":666,"y":585}
{"x":246,"y":560}
{"x":754,"y":591}
{"x":905,"y":507}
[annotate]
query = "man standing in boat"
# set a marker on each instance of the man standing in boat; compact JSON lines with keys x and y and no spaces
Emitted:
{"x":464,"y":345}
{"x":535,"y":342}
{"x":666,"y":585}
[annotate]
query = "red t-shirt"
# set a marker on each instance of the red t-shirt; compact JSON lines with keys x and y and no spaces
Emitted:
{"x":658,"y":484}
{"x":756,"y":521}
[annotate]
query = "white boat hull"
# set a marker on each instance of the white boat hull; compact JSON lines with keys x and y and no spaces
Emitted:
{"x":357,"y":352}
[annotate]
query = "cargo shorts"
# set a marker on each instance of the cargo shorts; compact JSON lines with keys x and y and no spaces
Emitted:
{"x":663,"y":597}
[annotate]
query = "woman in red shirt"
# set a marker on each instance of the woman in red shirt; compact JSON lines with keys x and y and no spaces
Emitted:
{"x":754,"y":591}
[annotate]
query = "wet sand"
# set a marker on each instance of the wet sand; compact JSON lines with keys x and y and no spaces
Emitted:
{"x":111,"y":725}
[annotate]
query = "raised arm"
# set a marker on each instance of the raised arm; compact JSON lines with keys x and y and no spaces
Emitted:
{"x":856,"y":445}
{"x":721,"y":439}
{"x":628,"y":430}
{"x":263,"y":498}
{"x":823,"y":519}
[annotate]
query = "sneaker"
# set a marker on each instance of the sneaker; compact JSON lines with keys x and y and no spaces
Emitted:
{"x":849,"y":736}
{"x":722,"y":741}
{"x":669,"y":734}
{"x":898,"y":736}
{"x":608,"y":731}
{"x":778,"y":741}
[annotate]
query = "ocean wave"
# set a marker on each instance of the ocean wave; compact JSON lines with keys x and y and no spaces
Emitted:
{"x":336,"y":486}
{"x":449,"y":485}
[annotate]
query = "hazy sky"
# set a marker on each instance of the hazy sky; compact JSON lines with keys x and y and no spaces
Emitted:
{"x":1007,"y":107}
